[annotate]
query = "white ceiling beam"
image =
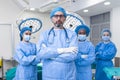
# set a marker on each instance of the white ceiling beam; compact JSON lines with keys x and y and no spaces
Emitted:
{"x":81,"y":4}
{"x":22,"y":3}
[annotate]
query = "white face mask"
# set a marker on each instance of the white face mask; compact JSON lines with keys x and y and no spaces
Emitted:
{"x":106,"y":38}
{"x":27,"y":37}
{"x":82,"y":37}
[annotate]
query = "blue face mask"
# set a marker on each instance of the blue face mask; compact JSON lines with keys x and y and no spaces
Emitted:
{"x":82,"y":37}
{"x":106,"y":38}
{"x":27,"y":37}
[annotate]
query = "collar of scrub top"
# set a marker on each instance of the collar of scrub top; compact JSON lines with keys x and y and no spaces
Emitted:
{"x":66,"y":35}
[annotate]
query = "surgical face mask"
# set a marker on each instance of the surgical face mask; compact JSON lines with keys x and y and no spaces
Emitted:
{"x":106,"y":38}
{"x":27,"y":37}
{"x":82,"y":37}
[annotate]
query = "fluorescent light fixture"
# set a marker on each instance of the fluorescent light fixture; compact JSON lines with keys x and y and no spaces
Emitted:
{"x":107,"y":3}
{"x":85,"y":11}
{"x":32,"y":9}
{"x":49,"y":3}
{"x":47,"y":8}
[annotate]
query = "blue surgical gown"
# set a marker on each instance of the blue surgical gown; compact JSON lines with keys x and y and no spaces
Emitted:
{"x":57,"y":66}
{"x":25,"y":56}
{"x":105,"y":52}
{"x":83,"y":65}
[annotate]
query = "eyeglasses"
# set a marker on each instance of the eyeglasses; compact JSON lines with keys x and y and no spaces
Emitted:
{"x":61,"y":16}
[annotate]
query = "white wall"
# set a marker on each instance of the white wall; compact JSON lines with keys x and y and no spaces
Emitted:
{"x":87,"y":22}
{"x":115,"y":28}
{"x":8,"y":11}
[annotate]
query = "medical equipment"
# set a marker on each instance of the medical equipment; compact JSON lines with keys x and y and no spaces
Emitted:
{"x":112,"y":72}
{"x":73,"y":20}
{"x":34,"y":23}
{"x":51,"y":30}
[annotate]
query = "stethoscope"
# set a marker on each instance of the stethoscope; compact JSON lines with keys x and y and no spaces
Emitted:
{"x":52,"y":30}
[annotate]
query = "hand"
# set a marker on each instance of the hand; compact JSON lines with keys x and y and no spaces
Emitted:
{"x":73,"y":49}
{"x":67,"y":50}
{"x":84,"y":56}
{"x":97,"y":53}
{"x":44,"y":46}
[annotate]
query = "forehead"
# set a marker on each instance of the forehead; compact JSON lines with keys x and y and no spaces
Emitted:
{"x":27,"y":31}
{"x":105,"y":32}
{"x":58,"y":13}
{"x":82,"y":30}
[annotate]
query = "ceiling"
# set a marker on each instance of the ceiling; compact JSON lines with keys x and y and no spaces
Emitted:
{"x":100,"y":8}
{"x":94,"y":6}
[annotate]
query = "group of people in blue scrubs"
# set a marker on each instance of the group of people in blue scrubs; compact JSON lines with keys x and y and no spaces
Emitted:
{"x":65,"y":54}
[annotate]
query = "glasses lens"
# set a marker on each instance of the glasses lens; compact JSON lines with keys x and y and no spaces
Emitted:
{"x":56,"y":16}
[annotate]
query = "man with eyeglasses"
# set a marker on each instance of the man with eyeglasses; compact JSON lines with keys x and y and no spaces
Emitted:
{"x":57,"y":48}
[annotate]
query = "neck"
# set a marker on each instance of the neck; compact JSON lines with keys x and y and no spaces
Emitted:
{"x":106,"y":42}
{"x":25,"y":41}
{"x":61,"y":27}
{"x":81,"y":40}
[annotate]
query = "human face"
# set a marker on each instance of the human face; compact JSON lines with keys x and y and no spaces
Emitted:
{"x":82,"y":35}
{"x":82,"y":32}
{"x":106,"y":37}
{"x":26,"y":36}
{"x":106,"y":34}
{"x":58,"y":19}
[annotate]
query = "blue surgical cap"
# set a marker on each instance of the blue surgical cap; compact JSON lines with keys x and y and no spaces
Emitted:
{"x":82,"y":27}
{"x":23,"y":30}
{"x":106,"y":30}
{"x":57,"y":10}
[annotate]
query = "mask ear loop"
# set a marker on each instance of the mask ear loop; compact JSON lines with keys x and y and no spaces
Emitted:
{"x":51,"y":30}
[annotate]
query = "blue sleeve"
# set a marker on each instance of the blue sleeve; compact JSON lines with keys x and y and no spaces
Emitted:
{"x":97,"y":47}
{"x":89,"y":60}
{"x":108,"y":54}
{"x":45,"y":53}
{"x":68,"y":57}
{"x":22,"y":59}
{"x":37,"y":59}
{"x":48,"y":53}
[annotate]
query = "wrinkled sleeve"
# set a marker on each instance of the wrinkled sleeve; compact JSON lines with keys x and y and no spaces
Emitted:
{"x":45,"y":53}
{"x":97,"y":47}
{"x":89,"y":60}
{"x":22,"y":59}
{"x":68,"y":57}
{"x":108,"y":54}
{"x":37,"y":59}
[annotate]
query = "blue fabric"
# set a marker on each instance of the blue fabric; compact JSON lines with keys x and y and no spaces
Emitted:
{"x":106,"y":30}
{"x":83,"y":65}
{"x":58,"y":9}
{"x":82,"y":37}
{"x":82,"y":27}
{"x":57,"y":66}
{"x":112,"y":71}
{"x":27,"y":63}
{"x":105,"y":52}
{"x":23,"y":30}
